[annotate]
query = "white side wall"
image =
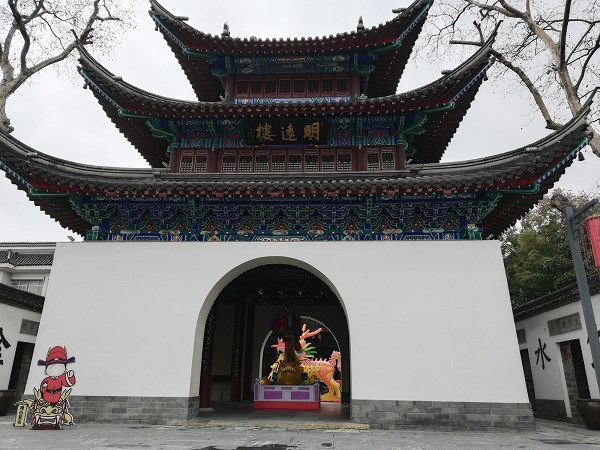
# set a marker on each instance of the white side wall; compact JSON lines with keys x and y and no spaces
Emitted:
{"x":549,"y":382}
{"x":427,"y":320}
{"x":10,"y":322}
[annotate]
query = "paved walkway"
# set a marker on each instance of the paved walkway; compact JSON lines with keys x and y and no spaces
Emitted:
{"x":223,"y":434}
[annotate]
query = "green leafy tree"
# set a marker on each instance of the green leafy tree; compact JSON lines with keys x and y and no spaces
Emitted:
{"x":536,"y":252}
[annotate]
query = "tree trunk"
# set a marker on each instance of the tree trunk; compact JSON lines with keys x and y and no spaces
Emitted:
{"x":595,"y":144}
{"x":4,"y":120}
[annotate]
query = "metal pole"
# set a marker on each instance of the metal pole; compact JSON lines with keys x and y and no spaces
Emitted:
{"x":582,"y":283}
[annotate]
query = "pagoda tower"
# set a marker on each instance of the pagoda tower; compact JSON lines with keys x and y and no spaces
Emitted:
{"x":298,"y":140}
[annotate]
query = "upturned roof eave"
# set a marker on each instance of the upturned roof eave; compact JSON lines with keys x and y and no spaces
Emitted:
{"x":22,"y":158}
{"x":180,"y":28}
{"x":192,"y":48}
{"x":525,"y":183}
{"x":415,"y":99}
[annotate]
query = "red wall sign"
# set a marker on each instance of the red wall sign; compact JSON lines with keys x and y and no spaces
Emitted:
{"x":593,"y":227}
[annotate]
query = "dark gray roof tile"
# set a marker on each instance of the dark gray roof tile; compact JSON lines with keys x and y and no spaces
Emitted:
{"x":21,"y":299}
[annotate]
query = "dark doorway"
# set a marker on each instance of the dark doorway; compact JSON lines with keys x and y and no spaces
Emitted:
{"x":243,"y":314}
{"x":20,"y":368}
{"x":575,"y":376}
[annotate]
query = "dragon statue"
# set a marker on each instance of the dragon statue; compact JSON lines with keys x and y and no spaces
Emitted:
{"x":304,"y":369}
{"x":43,"y":414}
{"x":324,"y":370}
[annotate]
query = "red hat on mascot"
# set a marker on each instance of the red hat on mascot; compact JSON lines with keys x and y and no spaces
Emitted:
{"x":56,"y":355}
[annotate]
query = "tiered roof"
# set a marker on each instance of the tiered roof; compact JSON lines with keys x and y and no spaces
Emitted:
{"x":392,"y":41}
{"x":425,"y":200}
{"x":522,"y":176}
{"x":445,"y":101}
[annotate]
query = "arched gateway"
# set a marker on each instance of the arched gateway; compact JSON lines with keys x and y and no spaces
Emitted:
{"x":242,"y":313}
{"x":298,"y":158}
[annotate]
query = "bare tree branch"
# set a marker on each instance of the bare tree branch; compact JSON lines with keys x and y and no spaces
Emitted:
{"x":579,"y":42}
{"x":585,"y":65}
{"x":46,"y":39}
{"x":563,"y":35}
{"x":550,"y":124}
{"x":483,"y":6}
{"x":550,"y":46}
{"x":21,"y":27}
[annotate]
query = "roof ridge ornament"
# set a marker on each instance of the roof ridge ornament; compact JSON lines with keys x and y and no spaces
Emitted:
{"x":360,"y":28}
{"x":225,"y":34}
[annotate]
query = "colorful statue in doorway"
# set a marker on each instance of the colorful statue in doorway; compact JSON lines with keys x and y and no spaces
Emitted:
{"x":304,"y":369}
{"x":288,"y":325}
{"x":324,"y":369}
{"x":49,"y":408}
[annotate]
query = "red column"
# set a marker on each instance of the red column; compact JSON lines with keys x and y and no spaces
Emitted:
{"x":207,"y":358}
{"x":236,"y":352}
{"x":248,"y":384}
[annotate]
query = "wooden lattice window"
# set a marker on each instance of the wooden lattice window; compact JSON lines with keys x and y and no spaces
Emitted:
{"x":270,"y":87}
{"x":278,"y":163}
{"x":187,"y":163}
{"x":241,"y":87}
{"x":292,"y":86}
{"x":372,"y":161}
{"x":245,"y":163}
{"x":311,"y":162}
{"x":341,"y":86}
{"x":228,"y":163}
{"x":313,"y":86}
{"x":327,"y":86}
{"x":295,"y":163}
{"x":327,"y":162}
{"x":285,"y":87}
{"x":200,"y":162}
{"x":262,"y":163}
{"x":299,"y":87}
{"x":387,"y":161}
{"x":344,"y":161}
{"x":256,"y":87}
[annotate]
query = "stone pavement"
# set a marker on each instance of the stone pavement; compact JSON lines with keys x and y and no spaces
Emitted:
{"x":221,"y":434}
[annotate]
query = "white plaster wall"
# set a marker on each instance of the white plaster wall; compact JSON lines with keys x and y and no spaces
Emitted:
{"x":10,"y":322}
{"x":549,"y":382}
{"x":427,"y":320}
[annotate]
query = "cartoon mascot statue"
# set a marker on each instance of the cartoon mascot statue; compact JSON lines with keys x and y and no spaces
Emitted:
{"x":50,"y":407}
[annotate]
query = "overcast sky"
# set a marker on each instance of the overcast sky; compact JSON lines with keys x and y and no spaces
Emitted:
{"x":54,"y":115}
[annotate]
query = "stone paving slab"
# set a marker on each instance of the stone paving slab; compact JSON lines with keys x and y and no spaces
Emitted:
{"x":234,"y":436}
{"x":296,"y":425}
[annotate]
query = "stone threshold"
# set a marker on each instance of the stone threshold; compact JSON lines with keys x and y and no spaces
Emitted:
{"x":270,"y":424}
